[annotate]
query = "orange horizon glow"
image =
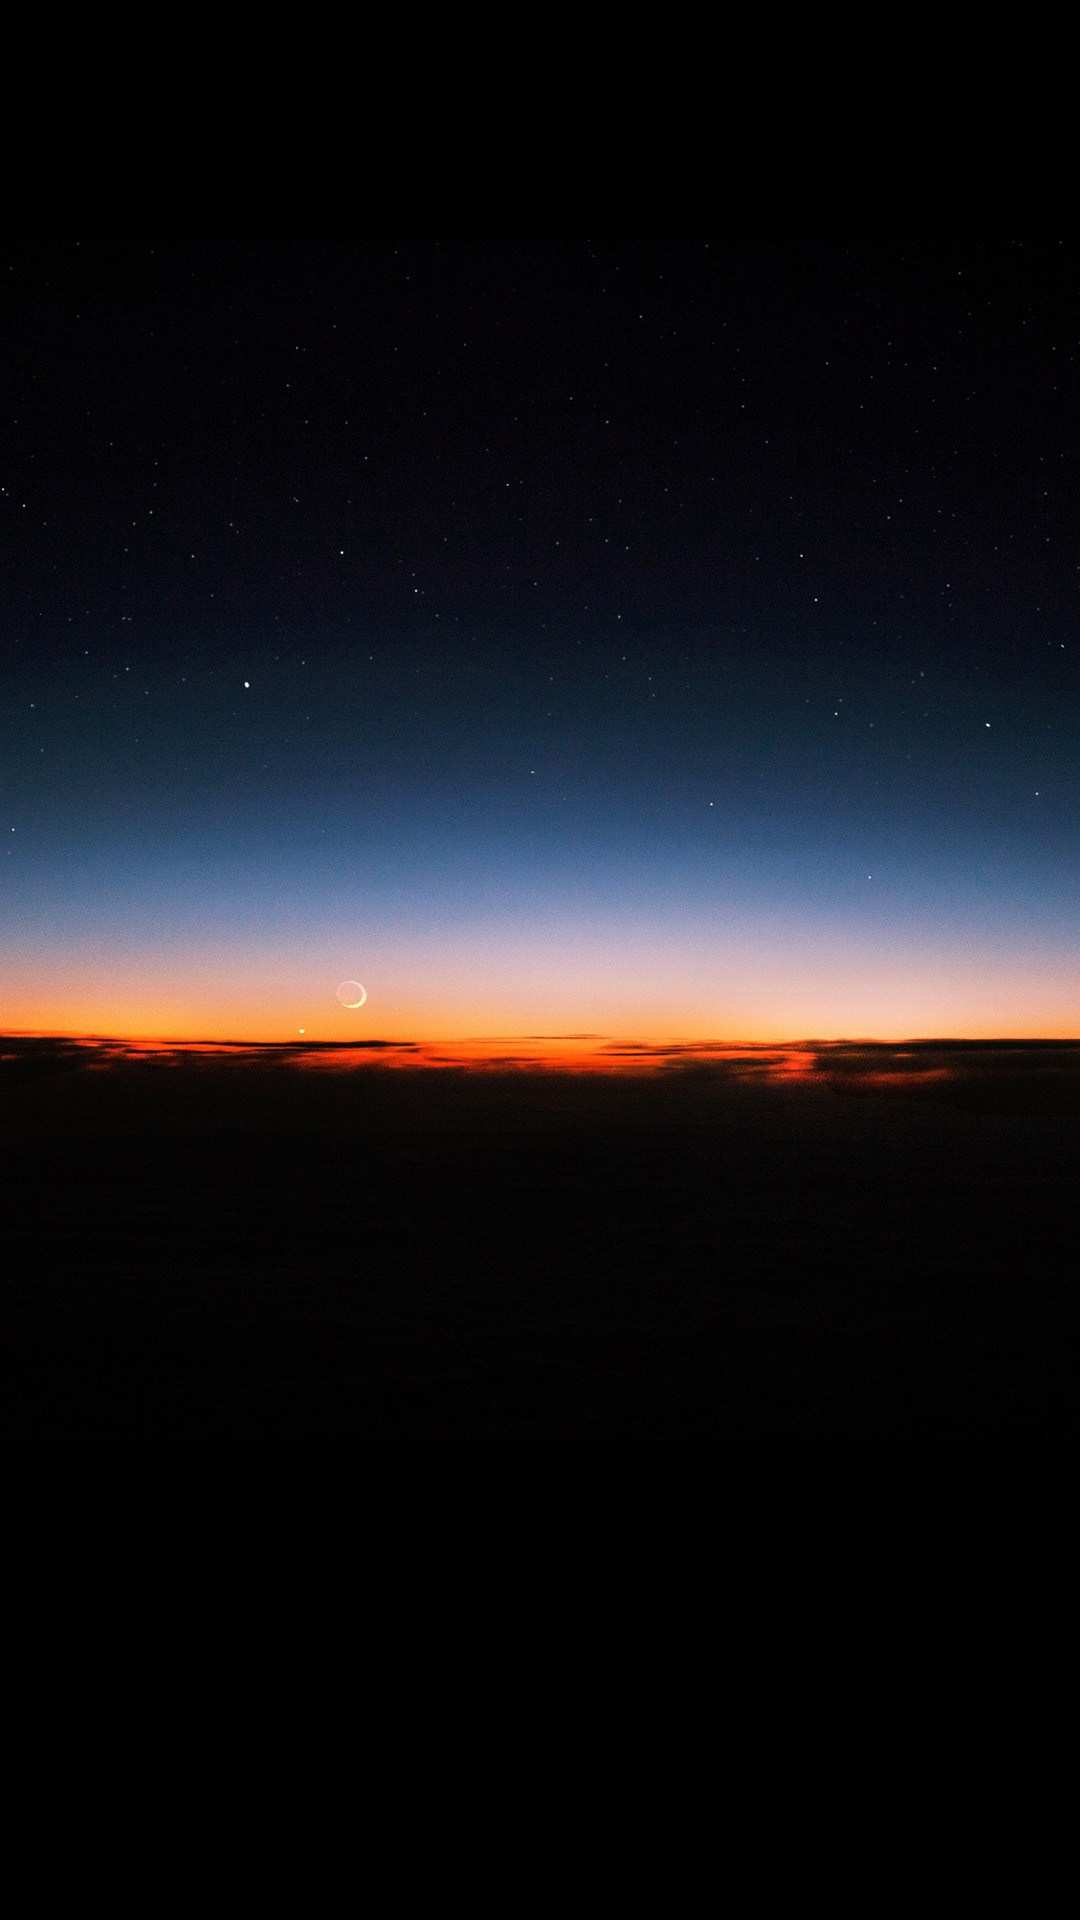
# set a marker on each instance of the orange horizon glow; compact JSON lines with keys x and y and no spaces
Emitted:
{"x":259,"y":1032}
{"x":241,"y":1017}
{"x":751,"y":981}
{"x":168,"y":1025}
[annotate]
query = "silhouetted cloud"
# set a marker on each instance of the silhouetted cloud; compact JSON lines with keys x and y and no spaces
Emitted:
{"x":1005,"y":1074}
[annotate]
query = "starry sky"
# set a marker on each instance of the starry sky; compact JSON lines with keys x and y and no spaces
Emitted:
{"x":662,"y":641}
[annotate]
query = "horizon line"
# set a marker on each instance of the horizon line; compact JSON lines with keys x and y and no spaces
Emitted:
{"x":301,"y":1042}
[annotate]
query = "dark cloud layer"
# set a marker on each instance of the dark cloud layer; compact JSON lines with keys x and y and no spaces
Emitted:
{"x":1013,"y":1073}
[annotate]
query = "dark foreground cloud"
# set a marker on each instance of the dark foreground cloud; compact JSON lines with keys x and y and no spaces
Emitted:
{"x":49,"y":1053}
{"x":1011,"y":1074}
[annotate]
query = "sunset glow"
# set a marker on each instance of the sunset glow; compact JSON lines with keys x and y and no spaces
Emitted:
{"x":630,"y":988}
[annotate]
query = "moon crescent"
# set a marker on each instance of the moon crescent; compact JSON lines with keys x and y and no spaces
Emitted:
{"x":351,"y":993}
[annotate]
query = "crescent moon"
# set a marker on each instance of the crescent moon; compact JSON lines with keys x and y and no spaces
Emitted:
{"x":351,"y":993}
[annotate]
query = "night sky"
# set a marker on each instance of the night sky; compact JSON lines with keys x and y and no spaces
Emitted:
{"x":654,"y":641}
